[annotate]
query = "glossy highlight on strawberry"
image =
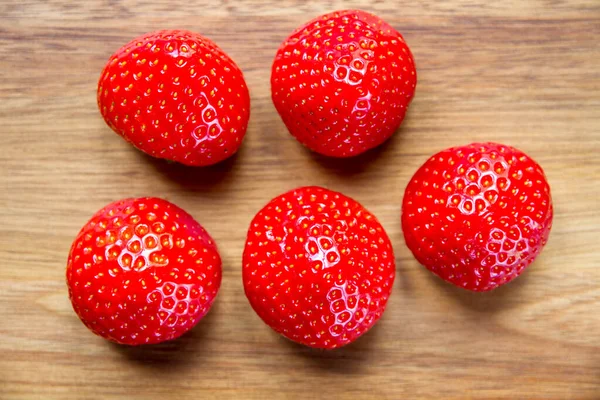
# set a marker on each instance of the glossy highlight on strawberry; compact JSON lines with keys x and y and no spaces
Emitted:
{"x":176,"y":95}
{"x":142,"y":271}
{"x":318,"y":268}
{"x":477,"y":215}
{"x":342,"y":83}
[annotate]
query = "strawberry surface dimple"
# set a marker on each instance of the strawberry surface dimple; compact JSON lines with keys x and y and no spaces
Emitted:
{"x":176,"y":95}
{"x":477,"y":215}
{"x":343,"y":82}
{"x":317,"y":267}
{"x":142,"y":271}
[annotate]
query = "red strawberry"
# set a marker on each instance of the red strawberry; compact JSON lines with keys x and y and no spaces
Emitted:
{"x":318,"y":268}
{"x":142,"y":271}
{"x":176,"y":95}
{"x":342,"y":83}
{"x":477,"y":215}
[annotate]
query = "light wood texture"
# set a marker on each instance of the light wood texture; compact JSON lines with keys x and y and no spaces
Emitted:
{"x":521,"y":72}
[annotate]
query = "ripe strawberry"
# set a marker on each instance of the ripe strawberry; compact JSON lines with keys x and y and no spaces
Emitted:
{"x":176,"y":95}
{"x":342,"y":83}
{"x":318,"y":268}
{"x":142,"y":271}
{"x":477,"y":215}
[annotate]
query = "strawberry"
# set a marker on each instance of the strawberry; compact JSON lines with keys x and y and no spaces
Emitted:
{"x":142,"y":271}
{"x":342,"y":83}
{"x":477,"y":215}
{"x":317,"y":267}
{"x":175,"y":95}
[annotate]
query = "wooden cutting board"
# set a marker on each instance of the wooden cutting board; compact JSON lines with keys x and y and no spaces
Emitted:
{"x":521,"y":72}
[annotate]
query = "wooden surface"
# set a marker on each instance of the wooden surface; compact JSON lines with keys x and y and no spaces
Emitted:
{"x":521,"y":72}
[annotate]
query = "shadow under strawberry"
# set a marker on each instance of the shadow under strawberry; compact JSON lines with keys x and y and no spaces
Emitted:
{"x":196,"y":178}
{"x":353,"y":165}
{"x":350,"y":359}
{"x":174,"y":355}
{"x":502,"y":298}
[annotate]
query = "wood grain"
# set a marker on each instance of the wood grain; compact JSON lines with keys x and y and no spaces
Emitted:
{"x":522,"y":72}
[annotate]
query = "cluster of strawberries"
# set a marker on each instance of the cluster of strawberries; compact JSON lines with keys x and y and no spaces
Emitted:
{"x":317,"y":267}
